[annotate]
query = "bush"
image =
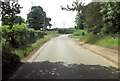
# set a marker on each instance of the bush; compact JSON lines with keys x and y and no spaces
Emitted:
{"x":9,"y":62}
{"x":103,"y":40}
{"x":21,"y":34}
{"x":95,"y":29}
{"x":79,"y":32}
{"x":65,"y":30}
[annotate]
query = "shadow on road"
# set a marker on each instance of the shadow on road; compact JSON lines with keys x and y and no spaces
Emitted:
{"x":60,"y":70}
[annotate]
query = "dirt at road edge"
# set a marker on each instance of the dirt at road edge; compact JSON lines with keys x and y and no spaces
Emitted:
{"x":111,"y":55}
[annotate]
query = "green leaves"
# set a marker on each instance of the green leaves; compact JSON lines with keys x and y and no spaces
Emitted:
{"x":35,"y":18}
{"x":21,"y":34}
{"x":97,"y":17}
{"x":111,"y":17}
{"x":19,"y":20}
{"x":9,"y":12}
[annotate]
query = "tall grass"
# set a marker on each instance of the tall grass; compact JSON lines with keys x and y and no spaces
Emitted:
{"x":52,"y":33}
{"x":107,"y":40}
{"x":103,"y":40}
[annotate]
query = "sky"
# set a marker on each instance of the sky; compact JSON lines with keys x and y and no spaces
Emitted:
{"x":60,"y":18}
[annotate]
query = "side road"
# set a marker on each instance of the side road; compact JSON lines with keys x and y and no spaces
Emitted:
{"x":108,"y":54}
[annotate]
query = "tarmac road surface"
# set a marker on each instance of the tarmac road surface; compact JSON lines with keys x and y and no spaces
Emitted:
{"x":62,"y":58}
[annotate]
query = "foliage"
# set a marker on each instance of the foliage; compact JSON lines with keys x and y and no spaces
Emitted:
{"x":47,"y":23}
{"x":25,"y":50}
{"x":73,"y":36}
{"x":110,"y":16}
{"x":95,"y":29}
{"x":19,"y":20}
{"x":97,"y":17}
{"x":92,"y":17}
{"x":22,"y":34}
{"x":37,"y":19}
{"x":32,"y":47}
{"x":102,"y":40}
{"x":65,"y":30}
{"x":9,"y":12}
{"x":79,"y":32}
{"x":79,"y":21}
{"x":9,"y":63}
{"x":76,"y":6}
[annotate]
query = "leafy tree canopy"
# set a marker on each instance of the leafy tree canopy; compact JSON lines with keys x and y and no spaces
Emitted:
{"x":9,"y":12}
{"x":35,"y":18}
{"x":19,"y":20}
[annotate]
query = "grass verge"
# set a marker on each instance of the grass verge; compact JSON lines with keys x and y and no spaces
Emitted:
{"x":102,"y":40}
{"x":25,"y":50}
{"x":51,"y":34}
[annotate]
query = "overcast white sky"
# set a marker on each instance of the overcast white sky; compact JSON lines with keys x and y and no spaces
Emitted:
{"x":53,"y":10}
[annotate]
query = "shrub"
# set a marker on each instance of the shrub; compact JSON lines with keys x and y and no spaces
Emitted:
{"x":22,"y":34}
{"x":79,"y":32}
{"x":65,"y":30}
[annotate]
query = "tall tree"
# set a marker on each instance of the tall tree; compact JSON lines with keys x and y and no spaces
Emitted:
{"x":93,"y":17}
{"x":36,"y":18}
{"x":86,"y":15}
{"x":79,"y":21}
{"x":79,"y":7}
{"x":76,"y":6}
{"x":9,"y":12}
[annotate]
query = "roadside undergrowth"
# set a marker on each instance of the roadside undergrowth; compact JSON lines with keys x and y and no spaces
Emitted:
{"x":26,"y":50}
{"x":111,"y":41}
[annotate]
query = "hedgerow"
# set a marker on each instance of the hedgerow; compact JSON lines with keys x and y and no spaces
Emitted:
{"x":22,"y":35}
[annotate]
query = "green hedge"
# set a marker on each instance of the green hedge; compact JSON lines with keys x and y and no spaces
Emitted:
{"x":22,"y":35}
{"x":66,"y":30}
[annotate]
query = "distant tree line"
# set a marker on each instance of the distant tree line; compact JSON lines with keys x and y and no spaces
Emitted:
{"x":65,"y":30}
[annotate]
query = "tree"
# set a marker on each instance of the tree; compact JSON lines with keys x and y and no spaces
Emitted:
{"x":36,"y":18}
{"x":97,"y":17}
{"x":79,"y":21}
{"x":47,"y":23}
{"x":9,"y":12}
{"x":79,"y":7}
{"x":93,"y":17}
{"x":86,"y":15}
{"x":110,"y":17}
{"x":76,"y":6}
{"x":19,"y":20}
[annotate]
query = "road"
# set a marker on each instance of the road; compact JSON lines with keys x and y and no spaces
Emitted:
{"x":62,"y":58}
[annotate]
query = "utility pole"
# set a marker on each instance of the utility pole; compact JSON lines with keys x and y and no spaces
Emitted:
{"x":44,"y":24}
{"x":54,"y":25}
{"x":63,"y":24}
